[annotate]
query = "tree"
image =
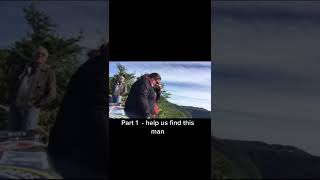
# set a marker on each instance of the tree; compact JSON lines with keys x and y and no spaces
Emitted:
{"x":164,"y":93}
{"x":62,"y":51}
{"x":63,"y":54}
{"x":128,"y":78}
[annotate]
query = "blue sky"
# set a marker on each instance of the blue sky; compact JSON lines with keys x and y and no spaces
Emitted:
{"x":266,"y":74}
{"x":188,"y":82}
{"x":71,"y":17}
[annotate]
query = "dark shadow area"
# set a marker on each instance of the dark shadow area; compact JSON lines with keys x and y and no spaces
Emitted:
{"x":78,"y":141}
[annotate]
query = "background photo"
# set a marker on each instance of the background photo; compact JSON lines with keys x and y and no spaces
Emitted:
{"x":187,"y":85}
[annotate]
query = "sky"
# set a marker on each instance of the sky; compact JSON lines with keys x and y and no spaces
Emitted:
{"x":71,"y":17}
{"x":266,"y":76}
{"x":188,"y":82}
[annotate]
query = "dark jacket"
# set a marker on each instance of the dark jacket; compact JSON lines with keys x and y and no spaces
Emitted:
{"x":141,"y":98}
{"x":79,"y":136}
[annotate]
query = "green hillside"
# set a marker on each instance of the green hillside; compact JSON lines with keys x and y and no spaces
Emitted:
{"x":170,"y":110}
{"x":239,"y":159}
{"x":229,"y":163}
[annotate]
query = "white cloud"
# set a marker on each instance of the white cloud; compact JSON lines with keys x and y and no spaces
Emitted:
{"x":175,"y":74}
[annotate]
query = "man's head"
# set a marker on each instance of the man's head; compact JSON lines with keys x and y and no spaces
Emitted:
{"x":121,"y":79}
{"x":41,"y":55}
{"x":155,"y":79}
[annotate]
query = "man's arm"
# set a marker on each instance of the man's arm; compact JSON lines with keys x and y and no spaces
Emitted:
{"x":125,"y":89}
{"x":51,"y":91}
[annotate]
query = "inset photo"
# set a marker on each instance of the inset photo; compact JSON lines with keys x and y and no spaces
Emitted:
{"x":159,"y":90}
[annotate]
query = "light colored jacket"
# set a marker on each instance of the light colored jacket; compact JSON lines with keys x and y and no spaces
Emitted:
{"x":122,"y":89}
{"x":42,"y":87}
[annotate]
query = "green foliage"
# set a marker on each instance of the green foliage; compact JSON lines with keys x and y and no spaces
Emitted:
{"x":169,"y":110}
{"x":47,"y":119}
{"x":40,"y":23}
{"x":229,"y":162}
{"x":221,"y":167}
{"x":4,"y":88}
{"x":165,"y":93}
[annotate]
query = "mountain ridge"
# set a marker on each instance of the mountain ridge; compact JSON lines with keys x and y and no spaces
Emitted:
{"x":268,"y":160}
{"x":171,"y":110}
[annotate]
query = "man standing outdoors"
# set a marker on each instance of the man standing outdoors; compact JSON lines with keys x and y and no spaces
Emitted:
{"x":34,"y":89}
{"x":143,"y":97}
{"x":119,"y":90}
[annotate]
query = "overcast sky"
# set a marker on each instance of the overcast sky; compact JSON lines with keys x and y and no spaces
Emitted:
{"x":91,"y":17}
{"x":188,"y":82}
{"x":266,"y":77}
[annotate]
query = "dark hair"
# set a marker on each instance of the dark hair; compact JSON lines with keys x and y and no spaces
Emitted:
{"x":155,"y":76}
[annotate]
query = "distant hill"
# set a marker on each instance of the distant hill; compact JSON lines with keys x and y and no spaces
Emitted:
{"x":252,"y":159}
{"x":171,"y":110}
{"x":197,"y":112}
{"x":228,"y":162}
